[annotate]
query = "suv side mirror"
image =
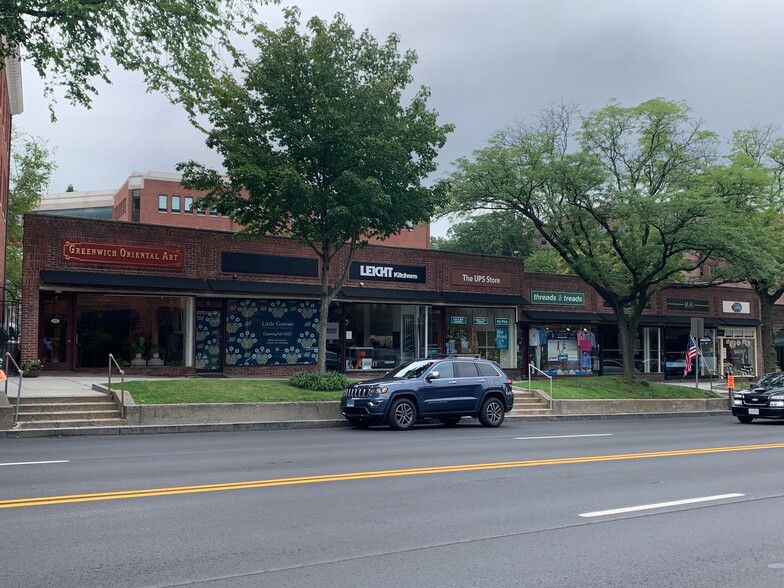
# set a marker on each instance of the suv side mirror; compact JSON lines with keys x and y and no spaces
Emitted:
{"x":432,"y":376}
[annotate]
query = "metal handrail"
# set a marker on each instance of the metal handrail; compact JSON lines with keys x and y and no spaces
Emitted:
{"x":19,"y":389}
{"x":122,"y":384}
{"x":548,"y":376}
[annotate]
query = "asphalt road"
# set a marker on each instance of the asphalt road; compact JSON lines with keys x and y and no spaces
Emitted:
{"x":648,"y":502}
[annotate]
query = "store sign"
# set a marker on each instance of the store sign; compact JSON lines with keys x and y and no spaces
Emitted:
{"x":481,"y":278}
{"x":731,"y":307}
{"x":480,"y":320}
{"x":458,"y":320}
{"x":502,"y":337}
{"x":694,"y":305}
{"x":387,"y":272}
{"x":502,"y":321}
{"x":121,"y":254}
{"x":560,"y":298}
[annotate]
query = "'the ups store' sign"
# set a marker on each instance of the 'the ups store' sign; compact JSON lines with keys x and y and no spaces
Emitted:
{"x":122,"y":254}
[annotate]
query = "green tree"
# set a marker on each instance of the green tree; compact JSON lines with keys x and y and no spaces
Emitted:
{"x":755,"y":252}
{"x":632,"y":209}
{"x":31,"y":170}
{"x":317,"y":143}
{"x":68,"y":41}
{"x":492,"y":233}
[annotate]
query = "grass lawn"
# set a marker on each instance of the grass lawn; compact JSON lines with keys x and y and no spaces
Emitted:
{"x":610,"y":387}
{"x":206,"y":390}
{"x":199,"y":390}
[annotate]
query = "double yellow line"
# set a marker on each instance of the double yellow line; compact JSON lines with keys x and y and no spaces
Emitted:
{"x":150,"y":492}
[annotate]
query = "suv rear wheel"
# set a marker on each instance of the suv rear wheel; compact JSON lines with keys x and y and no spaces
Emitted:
{"x":402,"y":414}
{"x":492,"y":413}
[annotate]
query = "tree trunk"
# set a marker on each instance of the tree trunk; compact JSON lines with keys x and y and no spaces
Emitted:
{"x":326,"y":300}
{"x":768,"y":349}
{"x":627,"y":333}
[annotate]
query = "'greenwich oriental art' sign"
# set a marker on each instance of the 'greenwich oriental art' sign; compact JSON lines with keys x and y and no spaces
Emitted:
{"x":122,"y":254}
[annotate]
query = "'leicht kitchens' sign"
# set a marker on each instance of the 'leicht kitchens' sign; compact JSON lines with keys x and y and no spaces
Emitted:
{"x":387,"y":272}
{"x":121,"y":254}
{"x":481,"y":278}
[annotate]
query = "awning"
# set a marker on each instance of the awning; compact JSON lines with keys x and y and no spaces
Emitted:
{"x":564,"y":316}
{"x":65,"y":278}
{"x":390,"y":294}
{"x":259,"y":287}
{"x":740,"y":322}
{"x":482,"y":298}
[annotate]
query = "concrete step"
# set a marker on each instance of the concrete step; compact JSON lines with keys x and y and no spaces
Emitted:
{"x":61,"y":399}
{"x":30,"y":417}
{"x":54,"y":412}
{"x":66,"y":406}
{"x":61,"y":424}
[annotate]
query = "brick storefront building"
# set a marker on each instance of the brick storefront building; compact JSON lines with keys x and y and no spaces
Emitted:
{"x":177,"y":300}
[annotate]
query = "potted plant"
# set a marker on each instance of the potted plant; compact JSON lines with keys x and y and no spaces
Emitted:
{"x":137,"y":349}
{"x":156,"y":351}
{"x":32,"y":368}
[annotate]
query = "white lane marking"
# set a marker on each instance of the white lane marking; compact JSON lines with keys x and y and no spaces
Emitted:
{"x":12,"y":463}
{"x":564,"y":436}
{"x":603,"y":513}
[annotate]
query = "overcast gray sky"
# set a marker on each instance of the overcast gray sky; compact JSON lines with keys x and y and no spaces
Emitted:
{"x":488,"y":63}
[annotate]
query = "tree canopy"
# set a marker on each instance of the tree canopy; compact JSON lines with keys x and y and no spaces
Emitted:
{"x":31,"y":169}
{"x":318,"y":144}
{"x":755,"y":253}
{"x":68,"y":41}
{"x":492,"y":233}
{"x":641,"y":200}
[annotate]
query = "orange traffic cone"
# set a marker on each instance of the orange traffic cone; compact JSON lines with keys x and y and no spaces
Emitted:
{"x":2,"y":375}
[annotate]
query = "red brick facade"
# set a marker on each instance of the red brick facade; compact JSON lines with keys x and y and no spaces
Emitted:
{"x":151,"y":186}
{"x":487,"y":280}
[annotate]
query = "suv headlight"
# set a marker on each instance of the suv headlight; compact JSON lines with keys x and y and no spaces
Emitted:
{"x":777,"y":401}
{"x":381,"y":390}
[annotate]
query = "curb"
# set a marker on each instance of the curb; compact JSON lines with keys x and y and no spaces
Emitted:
{"x":313,"y":424}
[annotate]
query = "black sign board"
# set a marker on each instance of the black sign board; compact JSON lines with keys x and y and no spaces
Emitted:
{"x":251,"y":263}
{"x":688,"y":305}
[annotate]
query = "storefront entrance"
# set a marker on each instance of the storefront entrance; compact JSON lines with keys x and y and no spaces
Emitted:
{"x":55,"y":345}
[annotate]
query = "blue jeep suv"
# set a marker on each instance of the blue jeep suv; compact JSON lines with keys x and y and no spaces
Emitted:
{"x":440,"y":389}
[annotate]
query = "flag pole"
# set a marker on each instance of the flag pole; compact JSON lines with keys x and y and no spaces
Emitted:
{"x":697,"y":362}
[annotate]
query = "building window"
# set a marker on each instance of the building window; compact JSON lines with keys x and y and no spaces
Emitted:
{"x":188,"y":205}
{"x":176,"y":204}
{"x":136,"y":205}
{"x":163,"y":203}
{"x":213,"y":212}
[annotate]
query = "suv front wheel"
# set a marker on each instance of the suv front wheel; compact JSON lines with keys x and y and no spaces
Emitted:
{"x":402,"y":414}
{"x":492,"y":413}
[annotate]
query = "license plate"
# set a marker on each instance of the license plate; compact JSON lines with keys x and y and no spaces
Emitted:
{"x":350,"y":402}
{"x":754,"y":411}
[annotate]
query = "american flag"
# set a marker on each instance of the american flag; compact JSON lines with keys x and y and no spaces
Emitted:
{"x":691,"y":353}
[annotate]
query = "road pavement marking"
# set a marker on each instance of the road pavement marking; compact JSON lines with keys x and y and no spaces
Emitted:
{"x":563,"y":436}
{"x":614,"y":511}
{"x":12,"y":463}
{"x":125,"y":494}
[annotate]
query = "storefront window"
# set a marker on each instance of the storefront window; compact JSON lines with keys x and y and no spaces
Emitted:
{"x":380,"y":336}
{"x":153,"y":327}
{"x":738,"y":351}
{"x":489,"y":333}
{"x":563,"y":349}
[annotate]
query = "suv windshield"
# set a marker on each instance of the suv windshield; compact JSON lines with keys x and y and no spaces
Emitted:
{"x":411,"y":369}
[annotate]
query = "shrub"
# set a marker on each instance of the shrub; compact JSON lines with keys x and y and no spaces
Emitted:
{"x":329,"y":382}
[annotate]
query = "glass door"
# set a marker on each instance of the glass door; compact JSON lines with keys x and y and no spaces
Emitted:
{"x":55,"y":347}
